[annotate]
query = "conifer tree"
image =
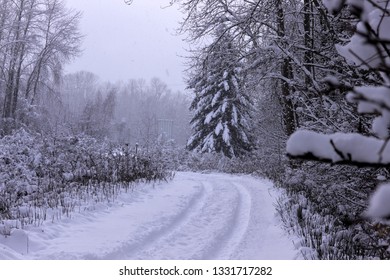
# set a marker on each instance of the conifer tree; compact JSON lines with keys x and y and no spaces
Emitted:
{"x":221,"y":106}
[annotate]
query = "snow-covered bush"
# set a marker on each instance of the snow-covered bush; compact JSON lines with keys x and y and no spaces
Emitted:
{"x":323,"y":206}
{"x":44,"y":178}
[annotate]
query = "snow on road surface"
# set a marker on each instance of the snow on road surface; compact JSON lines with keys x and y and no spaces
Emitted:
{"x":195,"y":216}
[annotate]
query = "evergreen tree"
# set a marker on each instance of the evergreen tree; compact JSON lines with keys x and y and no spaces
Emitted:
{"x":221,"y":106}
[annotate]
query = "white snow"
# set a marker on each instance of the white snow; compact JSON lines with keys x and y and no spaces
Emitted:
{"x":333,"y":5}
{"x":377,"y":96}
{"x":234,"y":82}
{"x":354,"y":147}
{"x":217,"y":112}
{"x":235,"y":116}
{"x":225,"y":74}
{"x":216,"y":98}
{"x":226,"y":134}
{"x":224,"y":106}
{"x":209,"y":117}
{"x":380,"y":125}
{"x":303,"y":141}
{"x":208,"y":143}
{"x":195,"y":216}
{"x":357,"y":51}
{"x":218,"y":129}
{"x":374,"y":100}
{"x":226,"y":85}
{"x":379,"y":206}
{"x":381,"y":178}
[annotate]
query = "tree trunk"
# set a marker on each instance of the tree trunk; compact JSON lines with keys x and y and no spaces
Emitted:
{"x":15,"y":67}
{"x":307,"y":24}
{"x":287,"y":74}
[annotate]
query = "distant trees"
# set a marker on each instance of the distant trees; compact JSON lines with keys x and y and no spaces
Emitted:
{"x":124,"y":112}
{"x":221,"y":106}
{"x":98,"y":113}
{"x":36,"y":38}
{"x":144,"y":106}
{"x":76,"y":90}
{"x":89,"y":106}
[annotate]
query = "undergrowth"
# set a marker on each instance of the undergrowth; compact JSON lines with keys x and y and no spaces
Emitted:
{"x":46,"y":178}
{"x":324,"y":206}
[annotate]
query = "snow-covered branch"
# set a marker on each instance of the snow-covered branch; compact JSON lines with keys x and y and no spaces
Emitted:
{"x":340,"y":148}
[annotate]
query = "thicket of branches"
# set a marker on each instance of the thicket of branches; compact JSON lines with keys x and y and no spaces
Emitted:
{"x":45,"y":178}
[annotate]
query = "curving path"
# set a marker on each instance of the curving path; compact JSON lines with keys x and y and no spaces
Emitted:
{"x":196,"y":216}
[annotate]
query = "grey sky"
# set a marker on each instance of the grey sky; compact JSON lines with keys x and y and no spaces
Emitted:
{"x":136,"y":41}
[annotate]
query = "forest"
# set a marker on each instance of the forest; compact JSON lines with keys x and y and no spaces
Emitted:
{"x":295,"y":91}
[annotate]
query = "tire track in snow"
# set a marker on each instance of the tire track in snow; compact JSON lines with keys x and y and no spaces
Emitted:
{"x":238,"y":225}
{"x":177,"y":241}
{"x":134,"y":235}
{"x":131,"y":250}
{"x":212,"y":232}
{"x":264,"y":237}
{"x":202,"y":232}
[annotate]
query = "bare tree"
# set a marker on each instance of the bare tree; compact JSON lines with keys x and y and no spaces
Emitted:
{"x":37,"y":38}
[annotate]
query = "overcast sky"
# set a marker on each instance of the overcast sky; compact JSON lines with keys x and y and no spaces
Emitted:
{"x":128,"y":42}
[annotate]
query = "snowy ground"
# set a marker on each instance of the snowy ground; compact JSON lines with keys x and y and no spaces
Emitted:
{"x":196,"y":216}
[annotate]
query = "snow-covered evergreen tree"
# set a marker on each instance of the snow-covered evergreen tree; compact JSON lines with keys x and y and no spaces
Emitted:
{"x":221,"y":106}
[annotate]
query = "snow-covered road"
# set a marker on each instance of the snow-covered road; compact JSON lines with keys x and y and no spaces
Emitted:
{"x":195,"y":216}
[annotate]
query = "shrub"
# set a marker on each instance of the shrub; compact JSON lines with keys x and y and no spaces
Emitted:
{"x":44,"y":178}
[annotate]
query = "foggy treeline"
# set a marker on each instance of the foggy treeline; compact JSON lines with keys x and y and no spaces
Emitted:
{"x":133,"y":112}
